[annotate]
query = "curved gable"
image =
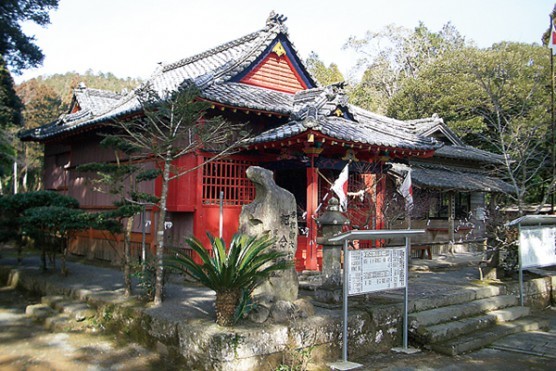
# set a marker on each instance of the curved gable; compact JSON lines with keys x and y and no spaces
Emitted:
{"x":277,"y":68}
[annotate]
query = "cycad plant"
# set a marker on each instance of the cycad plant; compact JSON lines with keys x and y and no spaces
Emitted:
{"x":231,"y":272}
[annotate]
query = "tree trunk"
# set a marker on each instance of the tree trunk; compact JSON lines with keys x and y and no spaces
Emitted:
{"x":43,"y":258}
{"x":19,"y":244}
{"x":64,"y":268}
{"x":127,"y":257}
{"x":15,"y":178}
{"x":159,"y":285}
{"x":226,"y":303}
{"x":25,"y":167}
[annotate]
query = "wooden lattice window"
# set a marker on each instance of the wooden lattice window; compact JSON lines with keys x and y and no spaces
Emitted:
{"x":227,"y":176}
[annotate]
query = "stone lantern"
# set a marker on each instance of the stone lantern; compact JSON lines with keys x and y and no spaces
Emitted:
{"x":330,"y":224}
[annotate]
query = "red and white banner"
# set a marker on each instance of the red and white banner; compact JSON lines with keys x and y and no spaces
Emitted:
{"x":340,"y":187}
{"x":406,"y":190}
{"x":552,"y":39}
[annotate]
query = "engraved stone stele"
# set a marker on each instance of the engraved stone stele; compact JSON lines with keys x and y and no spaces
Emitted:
{"x":274,"y":212}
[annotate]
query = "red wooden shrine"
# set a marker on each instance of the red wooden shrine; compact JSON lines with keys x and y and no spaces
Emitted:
{"x":304,"y":133}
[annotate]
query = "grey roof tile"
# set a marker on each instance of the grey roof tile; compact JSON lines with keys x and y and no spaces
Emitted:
{"x":346,"y":130}
{"x":95,"y":100}
{"x":469,"y":153}
{"x":212,"y":70}
{"x":241,"y":95}
{"x":451,"y":178}
{"x":457,"y":150}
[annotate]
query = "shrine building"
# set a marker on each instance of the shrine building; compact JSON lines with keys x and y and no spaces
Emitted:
{"x":303,"y":132}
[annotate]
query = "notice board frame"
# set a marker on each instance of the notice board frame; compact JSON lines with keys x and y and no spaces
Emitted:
{"x":366,"y":235}
{"x":530,"y":222}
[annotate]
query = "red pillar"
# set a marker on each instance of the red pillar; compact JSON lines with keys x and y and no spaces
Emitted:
{"x":312,"y":204}
{"x":199,"y":227}
{"x":380,"y":197}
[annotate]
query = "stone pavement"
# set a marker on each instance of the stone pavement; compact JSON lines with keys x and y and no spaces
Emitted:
{"x":524,"y":351}
{"x":100,"y":285}
{"x":535,"y":343}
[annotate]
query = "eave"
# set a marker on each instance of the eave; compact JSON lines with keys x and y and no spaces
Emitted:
{"x":314,"y":138}
{"x":217,"y":106}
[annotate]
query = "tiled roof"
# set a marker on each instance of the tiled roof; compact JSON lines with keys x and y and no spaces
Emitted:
{"x":70,"y":123}
{"x":210,"y":71}
{"x":452,"y":178}
{"x":434,"y":125}
{"x":345,"y":130}
{"x":316,"y":109}
{"x":248,"y":96}
{"x":95,"y":100}
{"x":457,"y":149}
{"x":220,"y":64}
{"x":469,"y":153}
{"x":215,"y":65}
{"x":213,"y":72}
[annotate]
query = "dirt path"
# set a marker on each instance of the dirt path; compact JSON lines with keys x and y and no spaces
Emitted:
{"x":26,"y":345}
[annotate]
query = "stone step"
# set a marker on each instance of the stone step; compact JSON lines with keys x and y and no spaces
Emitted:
{"x":459,"y":311}
{"x":484,"y":337}
{"x":510,"y":314}
{"x":449,"y":330}
{"x":452,"y":329}
{"x":455,"y":297}
{"x":52,"y":300}
{"x":59,"y":322}
{"x":39,"y":311}
{"x":75,"y":310}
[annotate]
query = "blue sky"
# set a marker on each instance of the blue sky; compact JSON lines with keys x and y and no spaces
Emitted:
{"x":129,"y":37}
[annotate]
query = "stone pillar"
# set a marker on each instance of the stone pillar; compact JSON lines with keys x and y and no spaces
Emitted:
{"x":331,"y":223}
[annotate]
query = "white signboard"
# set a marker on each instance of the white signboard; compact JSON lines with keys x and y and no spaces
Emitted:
{"x":372,"y":270}
{"x":537,"y":246}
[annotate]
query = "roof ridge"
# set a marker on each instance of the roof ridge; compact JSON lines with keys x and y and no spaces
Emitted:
{"x":215,"y":50}
{"x":103,"y":92}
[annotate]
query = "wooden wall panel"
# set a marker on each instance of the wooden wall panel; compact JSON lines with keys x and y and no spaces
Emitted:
{"x":275,"y":73}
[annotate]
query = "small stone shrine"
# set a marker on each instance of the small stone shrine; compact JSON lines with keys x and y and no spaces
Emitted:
{"x":331,"y":223}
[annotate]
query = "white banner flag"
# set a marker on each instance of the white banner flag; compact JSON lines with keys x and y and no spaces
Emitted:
{"x":340,"y":187}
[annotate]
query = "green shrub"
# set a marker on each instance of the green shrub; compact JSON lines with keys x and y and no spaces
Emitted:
{"x":233,"y":273}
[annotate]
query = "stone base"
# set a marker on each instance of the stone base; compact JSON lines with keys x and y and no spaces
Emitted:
{"x":329,"y":295}
{"x":488,"y":273}
{"x":344,"y":365}
{"x":408,"y":350}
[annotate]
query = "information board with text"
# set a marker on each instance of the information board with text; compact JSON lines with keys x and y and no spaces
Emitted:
{"x":372,"y":270}
{"x":537,"y":246}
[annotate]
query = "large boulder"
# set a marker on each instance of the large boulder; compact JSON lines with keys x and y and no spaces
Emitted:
{"x":274,"y":212}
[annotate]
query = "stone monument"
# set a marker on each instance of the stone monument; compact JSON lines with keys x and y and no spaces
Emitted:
{"x":274,"y":212}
